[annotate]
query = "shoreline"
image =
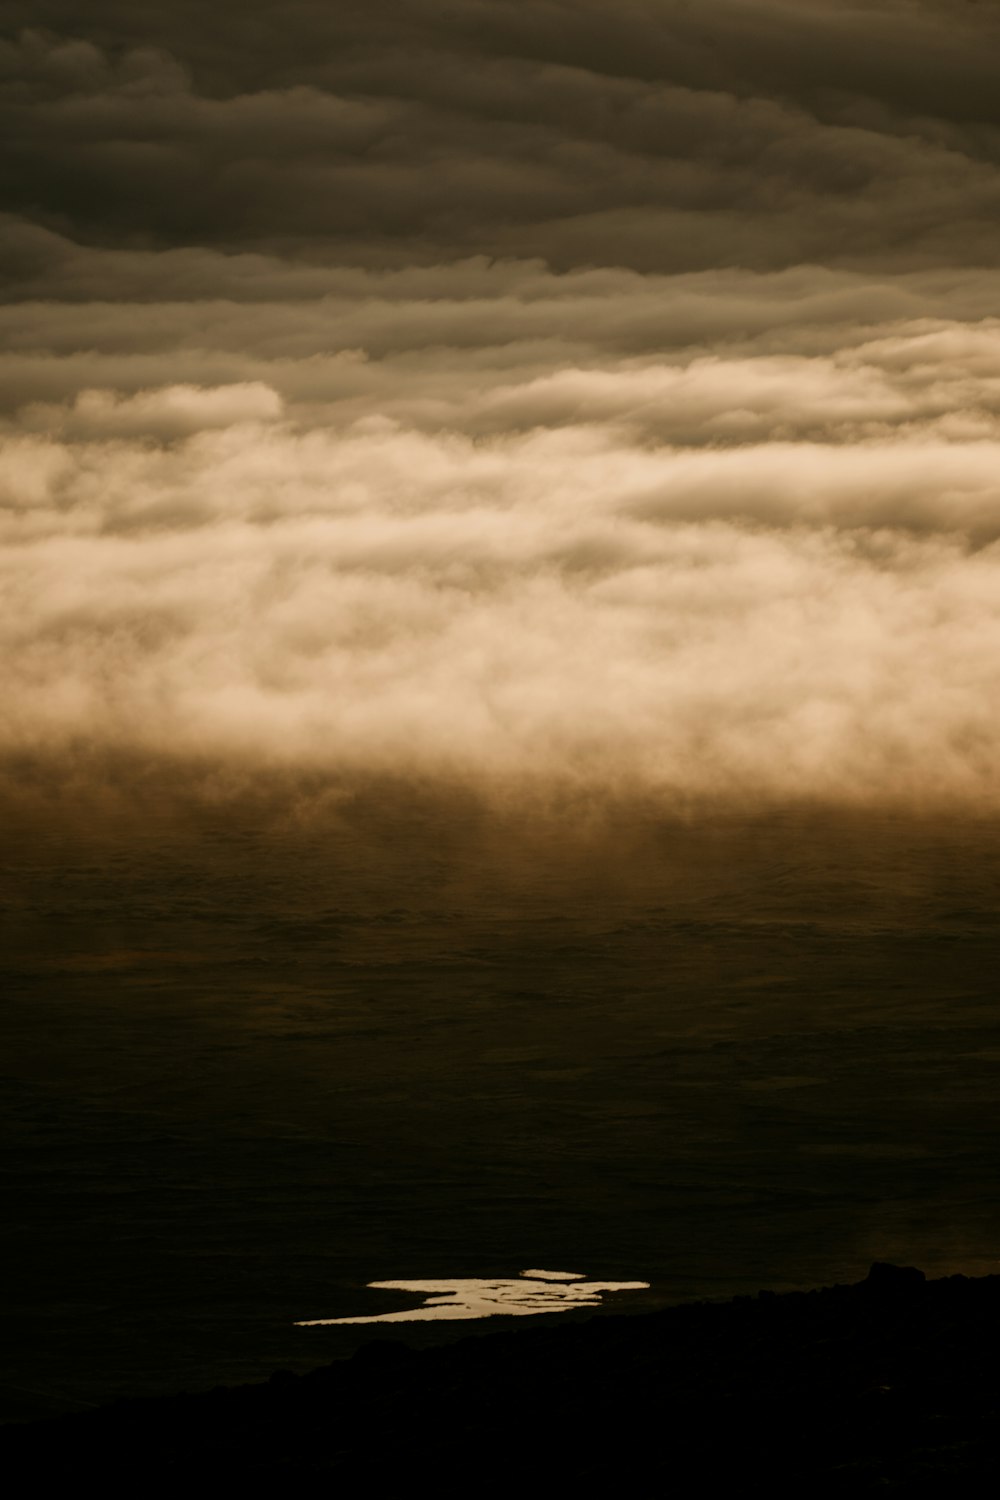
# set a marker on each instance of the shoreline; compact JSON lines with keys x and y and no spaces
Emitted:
{"x":889,"y":1386}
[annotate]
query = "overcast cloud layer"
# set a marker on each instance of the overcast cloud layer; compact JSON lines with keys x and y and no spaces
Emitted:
{"x":519,"y":394}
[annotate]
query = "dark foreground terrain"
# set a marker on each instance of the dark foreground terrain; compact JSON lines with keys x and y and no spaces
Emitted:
{"x":888,"y":1387}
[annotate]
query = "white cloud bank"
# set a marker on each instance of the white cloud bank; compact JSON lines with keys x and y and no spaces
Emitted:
{"x":736,"y":570}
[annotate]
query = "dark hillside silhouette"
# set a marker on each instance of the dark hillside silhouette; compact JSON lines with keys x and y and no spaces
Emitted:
{"x":890,"y":1387}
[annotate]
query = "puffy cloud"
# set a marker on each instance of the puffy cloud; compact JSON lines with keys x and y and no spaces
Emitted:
{"x":570,"y":605}
{"x":168,"y":412}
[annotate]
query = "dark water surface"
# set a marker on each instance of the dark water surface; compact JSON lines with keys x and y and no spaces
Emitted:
{"x":252,"y":1066}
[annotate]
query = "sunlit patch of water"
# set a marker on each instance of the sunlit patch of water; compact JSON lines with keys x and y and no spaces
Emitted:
{"x":532,"y":1292}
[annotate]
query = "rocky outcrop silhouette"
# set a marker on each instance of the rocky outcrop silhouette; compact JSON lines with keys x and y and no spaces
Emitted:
{"x":890,"y":1387}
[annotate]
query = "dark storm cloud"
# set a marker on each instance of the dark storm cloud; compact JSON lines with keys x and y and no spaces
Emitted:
{"x":656,"y":135}
{"x":922,"y":56}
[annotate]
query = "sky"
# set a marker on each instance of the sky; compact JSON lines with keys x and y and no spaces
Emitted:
{"x":599,"y":397}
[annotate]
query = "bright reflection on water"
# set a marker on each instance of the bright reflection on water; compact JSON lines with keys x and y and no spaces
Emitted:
{"x":531,"y":1292}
